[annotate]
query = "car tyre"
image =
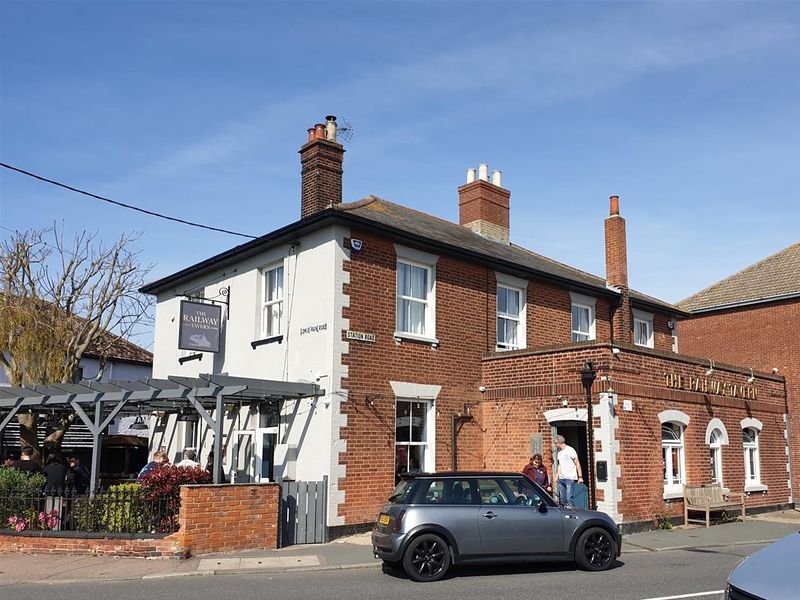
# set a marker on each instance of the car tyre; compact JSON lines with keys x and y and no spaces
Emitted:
{"x":596,"y":550}
{"x":427,"y":558}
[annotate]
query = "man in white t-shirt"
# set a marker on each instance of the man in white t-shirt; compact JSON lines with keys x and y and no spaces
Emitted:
{"x":568,"y":472}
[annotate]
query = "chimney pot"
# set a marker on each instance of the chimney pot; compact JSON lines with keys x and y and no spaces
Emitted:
{"x":310,"y":133}
{"x":497,"y":178}
{"x":483,"y":172}
{"x":330,"y":128}
{"x":319,"y":131}
{"x":471,"y":175}
{"x":614,"y":205}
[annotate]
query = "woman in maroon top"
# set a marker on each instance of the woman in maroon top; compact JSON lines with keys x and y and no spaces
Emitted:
{"x":538,"y":472}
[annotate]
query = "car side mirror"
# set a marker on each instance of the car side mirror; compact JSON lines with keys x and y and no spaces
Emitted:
{"x":542,"y":506}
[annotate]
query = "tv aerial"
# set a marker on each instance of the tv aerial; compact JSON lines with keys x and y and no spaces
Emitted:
{"x":345,"y":130}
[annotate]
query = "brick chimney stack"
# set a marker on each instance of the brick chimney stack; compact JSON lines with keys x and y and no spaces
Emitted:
{"x":617,"y":270}
{"x":321,"y":160}
{"x":484,"y":206}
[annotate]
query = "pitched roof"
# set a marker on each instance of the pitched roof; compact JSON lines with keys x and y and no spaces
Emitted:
{"x":775,"y":277}
{"x":433,"y":228}
{"x":424,"y":229}
{"x":118,"y":348}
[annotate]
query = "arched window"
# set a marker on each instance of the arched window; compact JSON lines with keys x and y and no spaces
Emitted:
{"x":715,"y":448}
{"x":673,"y":458}
{"x":752,"y":463}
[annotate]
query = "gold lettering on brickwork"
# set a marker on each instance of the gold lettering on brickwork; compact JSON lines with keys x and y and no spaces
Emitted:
{"x":710,"y":386}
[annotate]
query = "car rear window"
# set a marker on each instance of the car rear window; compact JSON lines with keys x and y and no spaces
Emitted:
{"x":401,"y":492}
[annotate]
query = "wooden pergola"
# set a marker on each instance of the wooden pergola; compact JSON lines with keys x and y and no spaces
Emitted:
{"x":98,"y":403}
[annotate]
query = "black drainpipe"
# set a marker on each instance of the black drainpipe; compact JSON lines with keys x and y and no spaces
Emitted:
{"x":457,"y":418}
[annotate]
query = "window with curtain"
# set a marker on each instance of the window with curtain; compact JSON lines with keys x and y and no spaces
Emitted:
{"x":752,"y":466}
{"x":508,"y":318}
{"x":272,"y":304}
{"x":582,"y":321}
{"x":413,"y":293}
{"x":642,"y":328}
{"x":673,"y":458}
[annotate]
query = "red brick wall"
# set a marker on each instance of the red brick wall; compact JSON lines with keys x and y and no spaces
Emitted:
{"x":466,"y":329}
{"x":213,"y":518}
{"x":222,"y":518}
{"x":762,"y":336}
{"x":152,"y":548}
{"x":523,"y":386}
{"x":481,"y":200}
{"x":321,"y":171}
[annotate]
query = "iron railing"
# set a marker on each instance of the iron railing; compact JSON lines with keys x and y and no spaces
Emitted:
{"x":111,"y":511}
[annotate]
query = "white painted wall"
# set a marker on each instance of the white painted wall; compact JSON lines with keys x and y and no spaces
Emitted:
{"x":311,"y":350}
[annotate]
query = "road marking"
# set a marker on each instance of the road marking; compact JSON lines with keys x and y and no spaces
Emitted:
{"x":687,"y":595}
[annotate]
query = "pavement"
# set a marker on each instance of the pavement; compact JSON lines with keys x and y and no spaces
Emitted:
{"x":348,"y":553}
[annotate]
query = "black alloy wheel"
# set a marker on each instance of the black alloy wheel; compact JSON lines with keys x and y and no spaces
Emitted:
{"x":427,"y":558}
{"x":595,"y":550}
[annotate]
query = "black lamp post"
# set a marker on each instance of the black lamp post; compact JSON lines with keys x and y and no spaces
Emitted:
{"x":588,"y":375}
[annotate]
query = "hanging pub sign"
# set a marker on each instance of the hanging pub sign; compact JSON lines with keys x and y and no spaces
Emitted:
{"x":200,"y":327}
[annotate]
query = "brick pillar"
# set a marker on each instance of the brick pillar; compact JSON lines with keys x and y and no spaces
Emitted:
{"x":321,"y":160}
{"x":617,"y":271}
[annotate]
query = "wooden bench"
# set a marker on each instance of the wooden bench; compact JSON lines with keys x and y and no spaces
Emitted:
{"x":707,"y":498}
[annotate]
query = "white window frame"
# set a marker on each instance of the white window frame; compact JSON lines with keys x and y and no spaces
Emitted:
{"x":520,"y":286}
{"x":751,"y":450}
{"x":715,"y":445}
{"x":268,"y":304}
{"x":641,"y":317}
{"x":673,"y":488}
{"x":589,"y":303}
{"x":674,"y":330}
{"x":427,"y":261}
{"x":715,"y":452}
{"x":429,"y":443}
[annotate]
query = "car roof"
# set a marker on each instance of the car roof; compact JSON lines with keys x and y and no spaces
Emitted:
{"x":453,"y":474}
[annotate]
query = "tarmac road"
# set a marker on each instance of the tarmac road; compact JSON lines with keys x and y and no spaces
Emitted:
{"x":698,"y":572}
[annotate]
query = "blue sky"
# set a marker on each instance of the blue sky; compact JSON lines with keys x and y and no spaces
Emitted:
{"x":690,"y":111}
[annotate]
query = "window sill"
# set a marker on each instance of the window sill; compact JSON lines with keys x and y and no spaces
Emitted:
{"x":270,"y":340}
{"x":672,"y":494}
{"x":508,"y":348}
{"x":755,"y":487}
{"x":399,"y":336}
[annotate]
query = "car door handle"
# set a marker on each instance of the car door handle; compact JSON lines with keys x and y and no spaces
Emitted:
{"x":489,"y":515}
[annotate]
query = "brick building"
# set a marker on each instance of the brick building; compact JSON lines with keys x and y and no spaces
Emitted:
{"x":444,"y":345}
{"x":752,"y":318}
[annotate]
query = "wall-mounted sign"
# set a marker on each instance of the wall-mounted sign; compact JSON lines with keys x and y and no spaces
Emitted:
{"x":710,"y":386}
{"x":199,"y":327}
{"x":313,"y":328}
{"x":356,"y":245}
{"x":360,"y":336}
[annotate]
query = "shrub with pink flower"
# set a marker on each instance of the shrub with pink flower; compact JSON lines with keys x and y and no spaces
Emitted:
{"x":42,"y":521}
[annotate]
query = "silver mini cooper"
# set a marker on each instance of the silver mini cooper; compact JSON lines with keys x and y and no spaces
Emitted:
{"x":434,"y":520}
